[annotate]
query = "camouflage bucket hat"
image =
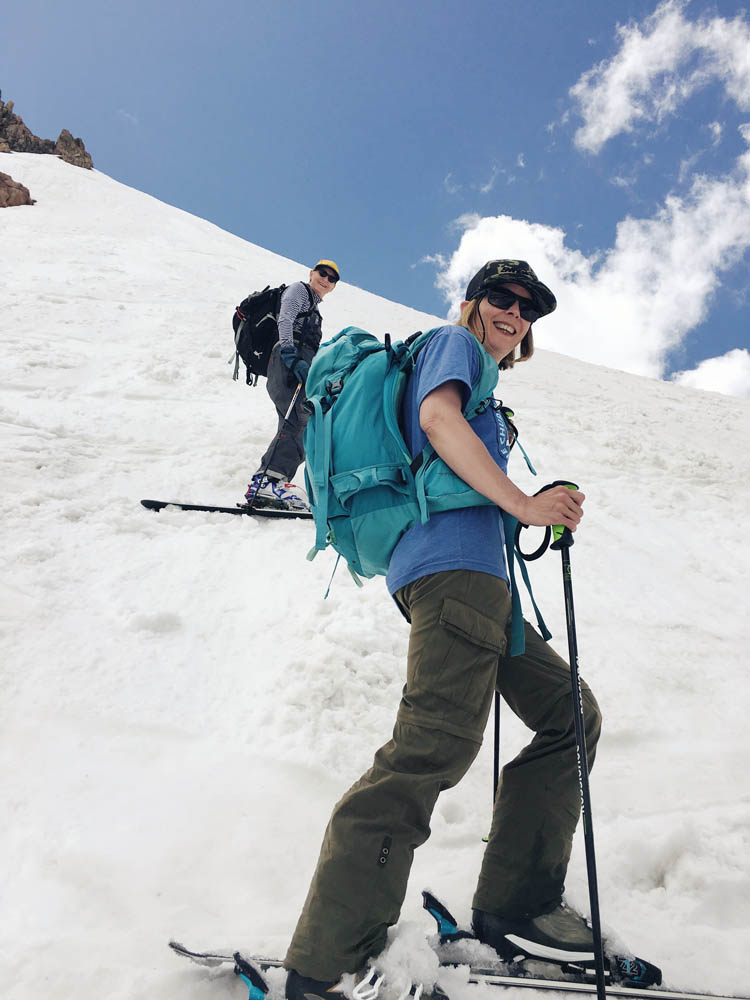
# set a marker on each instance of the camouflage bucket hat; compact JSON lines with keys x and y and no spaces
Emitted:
{"x":503,"y":272}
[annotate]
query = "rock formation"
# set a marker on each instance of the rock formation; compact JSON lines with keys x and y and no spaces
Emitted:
{"x":12,"y":193}
{"x":73,"y":150}
{"x":16,"y":137}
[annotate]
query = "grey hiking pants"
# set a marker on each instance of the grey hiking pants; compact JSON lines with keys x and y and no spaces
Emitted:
{"x":286,"y":452}
{"x":456,"y":660}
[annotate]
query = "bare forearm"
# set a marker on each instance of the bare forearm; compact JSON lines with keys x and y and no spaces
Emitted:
{"x":464,"y":452}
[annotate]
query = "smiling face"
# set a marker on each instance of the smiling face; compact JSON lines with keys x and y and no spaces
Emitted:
{"x":502,"y":329}
{"x":320,"y":283}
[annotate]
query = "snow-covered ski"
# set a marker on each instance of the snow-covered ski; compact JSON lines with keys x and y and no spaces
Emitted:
{"x":250,"y":970}
{"x":529,"y":961}
{"x":255,"y":511}
{"x":212,"y":959}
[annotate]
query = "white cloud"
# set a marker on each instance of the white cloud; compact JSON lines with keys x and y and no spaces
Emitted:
{"x":450,"y":185}
{"x":486,"y":188}
{"x":128,"y":116}
{"x":629,"y":307}
{"x":465,"y":221}
{"x":729,"y":374}
{"x":432,"y":258}
{"x":658,"y":67}
{"x":687,"y":166}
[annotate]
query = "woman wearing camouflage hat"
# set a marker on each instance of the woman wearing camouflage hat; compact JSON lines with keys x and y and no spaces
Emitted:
{"x":450,"y":580}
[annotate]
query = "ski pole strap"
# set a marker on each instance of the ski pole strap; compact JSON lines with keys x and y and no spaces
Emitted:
{"x":517,"y":636}
{"x":537,"y":553}
{"x":561,"y":536}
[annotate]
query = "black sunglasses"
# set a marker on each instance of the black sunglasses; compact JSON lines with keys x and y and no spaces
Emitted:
{"x":331,"y":275}
{"x":502,"y":298}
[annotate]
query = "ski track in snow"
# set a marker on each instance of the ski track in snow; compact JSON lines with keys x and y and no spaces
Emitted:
{"x":181,"y":707}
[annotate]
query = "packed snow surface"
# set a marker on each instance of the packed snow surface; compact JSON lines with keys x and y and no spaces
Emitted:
{"x":181,"y":707}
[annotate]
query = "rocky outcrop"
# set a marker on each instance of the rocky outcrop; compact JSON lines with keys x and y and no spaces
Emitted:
{"x":12,"y":193}
{"x":73,"y":150}
{"x":16,"y":137}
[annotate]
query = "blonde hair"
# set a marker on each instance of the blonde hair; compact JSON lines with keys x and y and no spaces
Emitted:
{"x":471,"y":319}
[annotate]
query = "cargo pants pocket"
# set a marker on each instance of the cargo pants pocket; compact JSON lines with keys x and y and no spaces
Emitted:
{"x":457,"y":639}
{"x":472,"y":646}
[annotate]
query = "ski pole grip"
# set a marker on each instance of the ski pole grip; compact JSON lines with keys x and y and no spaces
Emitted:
{"x":561,"y":535}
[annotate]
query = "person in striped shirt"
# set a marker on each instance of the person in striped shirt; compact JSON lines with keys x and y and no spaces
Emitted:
{"x":300,"y":326}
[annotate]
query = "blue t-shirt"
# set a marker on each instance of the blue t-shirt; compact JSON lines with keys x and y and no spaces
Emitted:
{"x":470,"y":537}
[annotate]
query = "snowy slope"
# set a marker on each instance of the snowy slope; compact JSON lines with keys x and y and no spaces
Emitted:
{"x":180,"y":706}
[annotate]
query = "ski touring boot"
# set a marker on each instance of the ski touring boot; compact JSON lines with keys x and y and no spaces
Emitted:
{"x":263,"y":491}
{"x":563,"y":938}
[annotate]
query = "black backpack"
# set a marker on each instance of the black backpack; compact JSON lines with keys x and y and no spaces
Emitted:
{"x":256,"y":331}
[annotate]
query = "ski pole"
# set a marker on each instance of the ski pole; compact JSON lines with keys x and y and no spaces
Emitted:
{"x":563,"y":539}
{"x":268,"y":461}
{"x":496,"y":768}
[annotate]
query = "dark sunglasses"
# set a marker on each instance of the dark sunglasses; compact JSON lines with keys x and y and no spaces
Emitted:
{"x":331,"y":275}
{"x":502,"y":298}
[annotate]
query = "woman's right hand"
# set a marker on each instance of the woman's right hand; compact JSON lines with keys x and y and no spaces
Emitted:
{"x":556,"y":506}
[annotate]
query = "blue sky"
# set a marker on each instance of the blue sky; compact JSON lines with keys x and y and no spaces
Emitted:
{"x":410,"y":141}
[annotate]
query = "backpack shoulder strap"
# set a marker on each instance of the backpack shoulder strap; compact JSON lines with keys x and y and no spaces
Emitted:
{"x":485,"y":383}
{"x":482,"y":387}
{"x":310,"y":301}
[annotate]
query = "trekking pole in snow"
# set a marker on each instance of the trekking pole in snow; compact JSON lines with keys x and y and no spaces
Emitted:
{"x":264,"y":470}
{"x":563,"y":539}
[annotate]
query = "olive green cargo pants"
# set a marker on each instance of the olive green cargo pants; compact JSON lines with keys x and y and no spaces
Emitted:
{"x":456,"y":660}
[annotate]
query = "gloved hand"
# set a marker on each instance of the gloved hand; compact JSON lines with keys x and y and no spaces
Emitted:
{"x":289,"y":356}
{"x":301,"y":370}
{"x":296,"y":365}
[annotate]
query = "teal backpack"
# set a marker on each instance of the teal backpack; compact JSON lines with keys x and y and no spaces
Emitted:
{"x":364,"y":487}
